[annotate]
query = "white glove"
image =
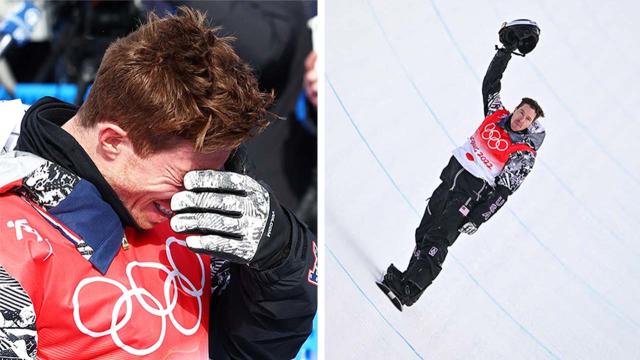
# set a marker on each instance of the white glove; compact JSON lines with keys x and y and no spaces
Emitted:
{"x":468,"y":228}
{"x":230,"y":211}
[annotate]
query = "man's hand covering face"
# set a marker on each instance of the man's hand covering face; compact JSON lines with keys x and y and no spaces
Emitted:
{"x":234,"y":216}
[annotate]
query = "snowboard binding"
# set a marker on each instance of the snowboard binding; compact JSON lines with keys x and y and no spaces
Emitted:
{"x":391,"y":285}
{"x":521,"y":34}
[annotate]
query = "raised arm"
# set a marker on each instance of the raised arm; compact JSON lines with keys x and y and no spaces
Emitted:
{"x":491,"y":84}
{"x":521,"y":35}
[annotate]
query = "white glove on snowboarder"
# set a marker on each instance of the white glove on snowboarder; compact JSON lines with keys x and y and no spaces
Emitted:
{"x":468,"y":228}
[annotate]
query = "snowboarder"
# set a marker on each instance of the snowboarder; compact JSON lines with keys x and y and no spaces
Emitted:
{"x":480,"y":176}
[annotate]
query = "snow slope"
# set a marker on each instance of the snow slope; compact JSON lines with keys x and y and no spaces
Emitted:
{"x":556,"y":273}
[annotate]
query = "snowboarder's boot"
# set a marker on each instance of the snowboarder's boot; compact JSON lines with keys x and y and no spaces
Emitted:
{"x":391,"y":285}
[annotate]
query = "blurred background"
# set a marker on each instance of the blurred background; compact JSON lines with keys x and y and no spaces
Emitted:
{"x":57,"y":50}
{"x":554,"y":274}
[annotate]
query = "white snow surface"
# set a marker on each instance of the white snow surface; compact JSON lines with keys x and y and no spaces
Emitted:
{"x":556,"y":273}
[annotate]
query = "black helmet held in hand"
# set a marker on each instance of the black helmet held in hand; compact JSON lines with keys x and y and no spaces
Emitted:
{"x":521,"y":34}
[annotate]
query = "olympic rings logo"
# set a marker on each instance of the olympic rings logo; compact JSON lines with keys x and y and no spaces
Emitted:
{"x":493,"y":138}
{"x":173,"y":280}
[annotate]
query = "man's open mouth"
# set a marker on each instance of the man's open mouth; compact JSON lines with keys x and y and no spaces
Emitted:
{"x":166,"y":212}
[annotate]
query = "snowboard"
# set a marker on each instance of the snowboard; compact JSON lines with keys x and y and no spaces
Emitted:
{"x":394,"y":299}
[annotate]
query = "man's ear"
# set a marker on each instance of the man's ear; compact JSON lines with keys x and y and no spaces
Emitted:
{"x":112,"y":141}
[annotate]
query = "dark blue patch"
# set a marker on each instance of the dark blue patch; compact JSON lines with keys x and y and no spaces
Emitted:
{"x":88,"y":215}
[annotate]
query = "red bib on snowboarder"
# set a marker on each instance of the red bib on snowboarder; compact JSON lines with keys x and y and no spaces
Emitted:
{"x":488,"y":149}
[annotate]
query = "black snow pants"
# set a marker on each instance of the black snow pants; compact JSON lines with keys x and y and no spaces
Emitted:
{"x":446,"y":212}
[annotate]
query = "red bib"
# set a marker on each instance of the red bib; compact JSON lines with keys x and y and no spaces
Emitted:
{"x":488,"y":149}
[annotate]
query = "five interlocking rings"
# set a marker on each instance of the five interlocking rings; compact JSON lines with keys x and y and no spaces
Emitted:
{"x":158,"y":308}
{"x":494,"y":141}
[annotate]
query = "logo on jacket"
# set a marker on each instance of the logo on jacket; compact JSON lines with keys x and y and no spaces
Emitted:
{"x":313,"y":272}
{"x":494,"y":141}
{"x":22,"y":227}
{"x":433,"y":251}
{"x":162,"y":308}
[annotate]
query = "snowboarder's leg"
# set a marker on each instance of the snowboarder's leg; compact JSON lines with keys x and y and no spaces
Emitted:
{"x":408,"y":286}
{"x":424,"y":267}
{"x":433,"y":211}
{"x":423,"y":271}
{"x":436,"y":233}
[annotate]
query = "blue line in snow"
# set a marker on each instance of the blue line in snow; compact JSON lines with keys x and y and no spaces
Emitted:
{"x":369,"y":300}
{"x":406,"y":74}
{"x":582,"y":126}
{"x":591,"y":73}
{"x":364,"y":140}
{"x":453,"y":40}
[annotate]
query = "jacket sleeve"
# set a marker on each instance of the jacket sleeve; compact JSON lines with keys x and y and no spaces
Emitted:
{"x":18,"y":338}
{"x":515,"y":171}
{"x":491,"y":84}
{"x":268,"y":314}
